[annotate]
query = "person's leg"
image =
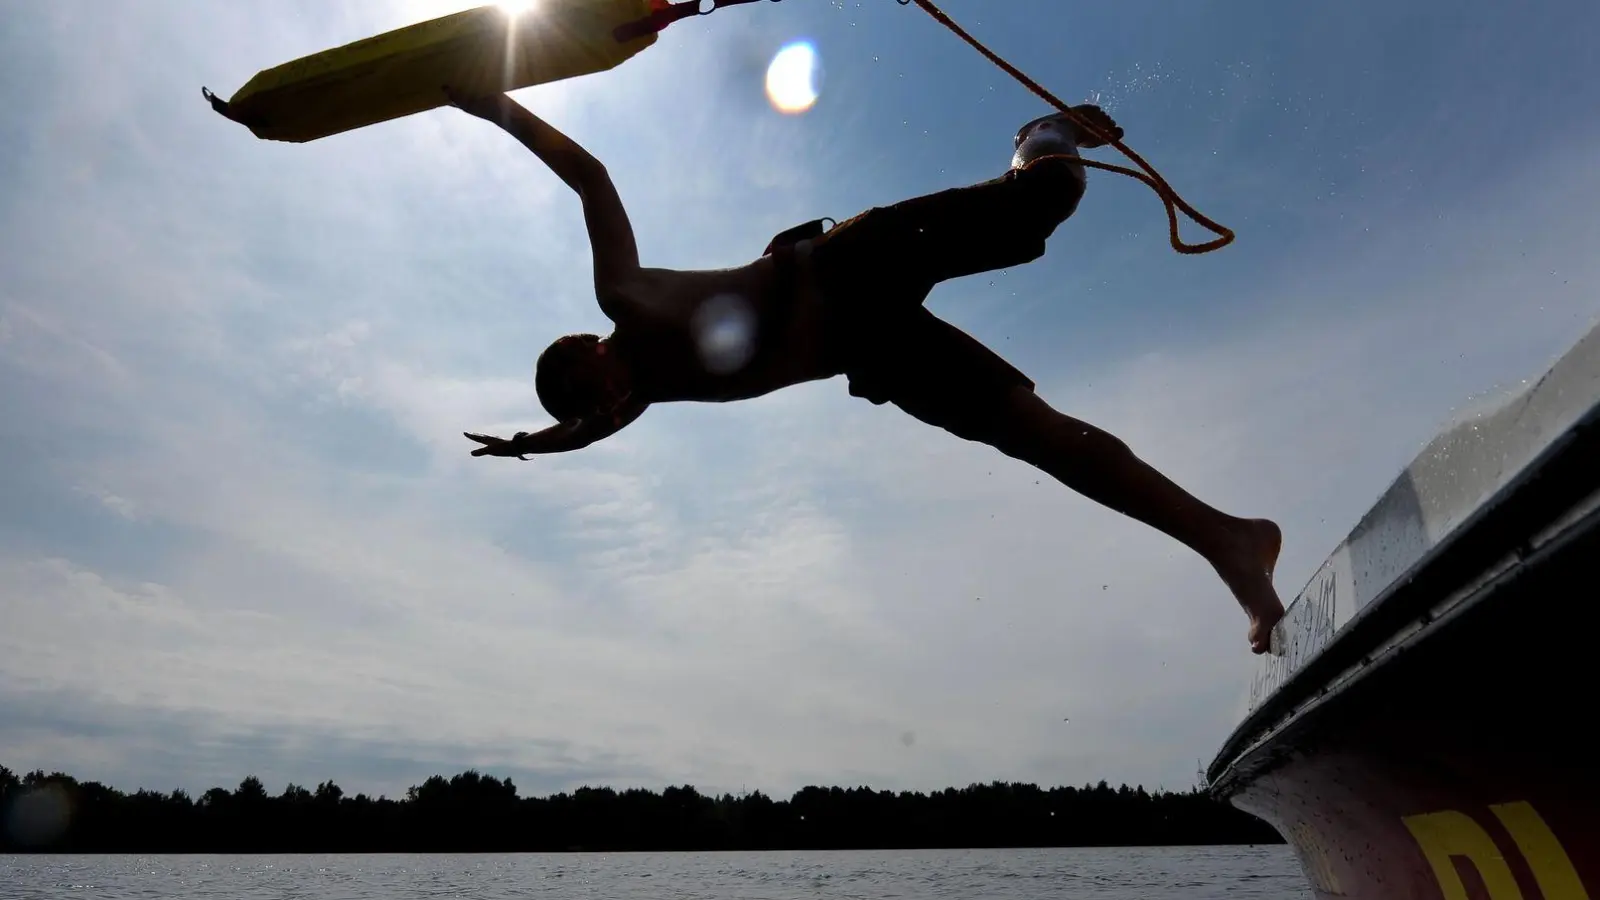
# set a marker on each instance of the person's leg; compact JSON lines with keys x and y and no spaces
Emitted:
{"x":1101,"y":467}
{"x":946,"y":378}
{"x":953,"y":233}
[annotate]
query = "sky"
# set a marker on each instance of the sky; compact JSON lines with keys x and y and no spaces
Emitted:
{"x":240,"y":531}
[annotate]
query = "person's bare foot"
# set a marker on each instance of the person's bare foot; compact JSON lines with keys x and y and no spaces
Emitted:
{"x":1247,"y":570}
{"x":1100,"y":121}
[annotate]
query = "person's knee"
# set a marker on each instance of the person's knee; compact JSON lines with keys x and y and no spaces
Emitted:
{"x":1092,"y":441}
{"x":1037,"y":432}
{"x":1022,"y":427}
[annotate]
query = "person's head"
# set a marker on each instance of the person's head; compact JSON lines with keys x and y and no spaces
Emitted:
{"x":579,"y":375}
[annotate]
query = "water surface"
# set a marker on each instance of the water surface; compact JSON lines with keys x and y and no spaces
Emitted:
{"x":1078,"y":874}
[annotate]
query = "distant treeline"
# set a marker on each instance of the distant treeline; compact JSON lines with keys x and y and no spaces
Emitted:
{"x":472,"y":812}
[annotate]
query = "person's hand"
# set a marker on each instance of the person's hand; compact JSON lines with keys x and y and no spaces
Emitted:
{"x":489,"y":106}
{"x":559,"y":438}
{"x":496,"y":446}
{"x":1100,"y":120}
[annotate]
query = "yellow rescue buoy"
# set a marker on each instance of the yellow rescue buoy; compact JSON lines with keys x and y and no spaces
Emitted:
{"x":401,"y":72}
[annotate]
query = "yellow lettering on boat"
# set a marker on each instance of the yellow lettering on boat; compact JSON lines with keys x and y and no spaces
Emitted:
{"x":1552,"y":867}
{"x":1443,"y":835}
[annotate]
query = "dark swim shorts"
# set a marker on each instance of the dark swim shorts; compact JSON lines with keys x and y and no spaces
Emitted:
{"x":875,"y":271}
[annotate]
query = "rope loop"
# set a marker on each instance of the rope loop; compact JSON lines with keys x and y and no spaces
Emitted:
{"x":1151,"y":178}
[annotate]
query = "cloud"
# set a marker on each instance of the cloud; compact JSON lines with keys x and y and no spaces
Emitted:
{"x":122,"y":506}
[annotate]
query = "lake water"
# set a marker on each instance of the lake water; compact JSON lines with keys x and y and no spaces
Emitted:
{"x":1077,"y":874}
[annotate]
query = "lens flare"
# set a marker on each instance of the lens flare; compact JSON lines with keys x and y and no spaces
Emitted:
{"x":725,"y":333}
{"x":792,"y":78}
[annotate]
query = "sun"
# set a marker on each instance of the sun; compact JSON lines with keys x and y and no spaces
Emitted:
{"x":431,"y":9}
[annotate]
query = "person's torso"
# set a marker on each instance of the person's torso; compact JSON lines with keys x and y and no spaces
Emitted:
{"x":721,"y":335}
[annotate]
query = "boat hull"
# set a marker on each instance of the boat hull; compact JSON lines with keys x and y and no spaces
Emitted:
{"x":1463,"y":764}
{"x":1422,"y":729}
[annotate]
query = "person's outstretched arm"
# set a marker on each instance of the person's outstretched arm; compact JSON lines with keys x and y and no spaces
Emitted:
{"x":562,"y":438}
{"x":616,"y":255}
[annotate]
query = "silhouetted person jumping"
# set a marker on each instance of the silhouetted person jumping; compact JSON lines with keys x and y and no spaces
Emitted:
{"x":849,"y":301}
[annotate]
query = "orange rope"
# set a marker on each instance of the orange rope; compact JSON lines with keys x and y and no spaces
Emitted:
{"x":1152,"y":178}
